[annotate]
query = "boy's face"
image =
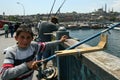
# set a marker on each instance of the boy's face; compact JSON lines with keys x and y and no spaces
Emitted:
{"x":24,"y":39}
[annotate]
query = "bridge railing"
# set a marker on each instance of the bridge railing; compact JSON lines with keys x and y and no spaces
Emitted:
{"x":96,"y":65}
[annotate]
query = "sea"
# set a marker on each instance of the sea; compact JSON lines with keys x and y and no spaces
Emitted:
{"x":113,"y":43}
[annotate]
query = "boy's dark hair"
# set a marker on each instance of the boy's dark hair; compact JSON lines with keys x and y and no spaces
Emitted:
{"x":24,"y":28}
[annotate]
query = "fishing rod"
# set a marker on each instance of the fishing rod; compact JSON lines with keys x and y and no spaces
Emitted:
{"x":60,"y":7}
{"x":51,"y":9}
{"x":82,"y":42}
{"x":57,"y":10}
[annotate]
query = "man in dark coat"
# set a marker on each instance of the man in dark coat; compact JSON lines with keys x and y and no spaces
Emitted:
{"x":47,"y":27}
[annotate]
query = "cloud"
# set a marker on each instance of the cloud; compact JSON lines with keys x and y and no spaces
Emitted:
{"x":116,"y":5}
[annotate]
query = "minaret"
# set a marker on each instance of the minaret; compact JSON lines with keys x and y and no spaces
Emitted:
{"x":3,"y":15}
{"x":106,"y":8}
{"x":112,"y":10}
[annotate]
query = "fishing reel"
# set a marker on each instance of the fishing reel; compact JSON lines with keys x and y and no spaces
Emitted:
{"x":50,"y":73}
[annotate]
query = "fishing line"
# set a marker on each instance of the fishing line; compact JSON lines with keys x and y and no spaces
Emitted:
{"x":60,"y":7}
{"x":57,"y":10}
{"x":51,"y":9}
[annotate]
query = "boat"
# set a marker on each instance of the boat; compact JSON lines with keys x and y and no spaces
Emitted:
{"x":117,"y":28}
{"x":84,"y":26}
{"x":73,"y":26}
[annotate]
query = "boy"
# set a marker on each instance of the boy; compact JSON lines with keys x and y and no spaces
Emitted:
{"x":19,"y":59}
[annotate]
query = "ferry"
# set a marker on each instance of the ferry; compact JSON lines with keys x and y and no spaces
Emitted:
{"x":73,"y":26}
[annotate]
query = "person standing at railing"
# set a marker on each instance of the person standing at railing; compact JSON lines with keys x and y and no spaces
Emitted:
{"x":47,"y":27}
{"x":44,"y":35}
{"x":11,"y":29}
{"x":6,"y":29}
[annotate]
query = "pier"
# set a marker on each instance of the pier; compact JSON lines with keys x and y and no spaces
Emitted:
{"x":101,"y":65}
{"x":89,"y":65}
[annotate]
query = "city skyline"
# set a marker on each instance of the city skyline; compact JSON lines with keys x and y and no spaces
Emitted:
{"x":29,"y":7}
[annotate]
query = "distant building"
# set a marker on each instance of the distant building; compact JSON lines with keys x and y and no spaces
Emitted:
{"x":1,"y":17}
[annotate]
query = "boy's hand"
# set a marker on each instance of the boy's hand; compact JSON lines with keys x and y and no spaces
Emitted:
{"x":63,"y":38}
{"x":32,"y":65}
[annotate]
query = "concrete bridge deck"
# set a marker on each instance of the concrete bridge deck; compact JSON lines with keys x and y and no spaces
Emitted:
{"x":1,"y":32}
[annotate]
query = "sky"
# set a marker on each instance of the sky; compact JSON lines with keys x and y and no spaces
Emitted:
{"x":10,"y":7}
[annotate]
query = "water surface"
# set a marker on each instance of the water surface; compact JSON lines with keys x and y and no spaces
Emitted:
{"x":113,"y":45}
